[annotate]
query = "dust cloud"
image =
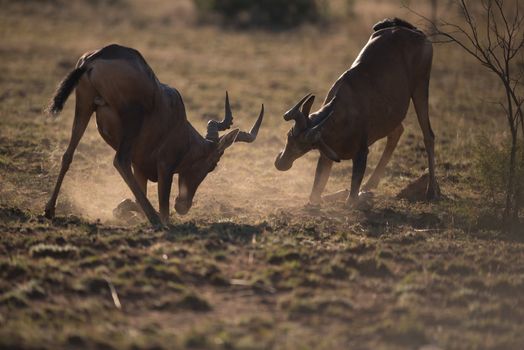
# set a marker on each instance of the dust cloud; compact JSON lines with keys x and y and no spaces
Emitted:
{"x":245,"y":184}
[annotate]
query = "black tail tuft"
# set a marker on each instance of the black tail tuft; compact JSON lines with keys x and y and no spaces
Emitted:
{"x":393,"y":22}
{"x":64,"y":90}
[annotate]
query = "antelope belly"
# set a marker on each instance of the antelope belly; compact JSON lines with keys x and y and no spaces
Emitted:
{"x":109,"y":125}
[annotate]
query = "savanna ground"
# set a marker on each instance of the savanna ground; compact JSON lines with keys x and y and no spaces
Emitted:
{"x":249,"y":267}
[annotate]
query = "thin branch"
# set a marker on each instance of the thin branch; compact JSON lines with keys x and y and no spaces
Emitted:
{"x":495,"y":50}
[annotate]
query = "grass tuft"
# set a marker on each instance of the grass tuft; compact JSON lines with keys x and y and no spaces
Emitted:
{"x":53,"y":251}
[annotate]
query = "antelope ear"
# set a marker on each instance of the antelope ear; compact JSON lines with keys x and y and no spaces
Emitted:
{"x":227,"y":140}
{"x":328,"y":151}
{"x":306,"y":107}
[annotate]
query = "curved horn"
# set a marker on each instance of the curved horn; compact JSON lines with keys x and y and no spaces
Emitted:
{"x":318,"y":120}
{"x":291,"y":113}
{"x":301,"y":121}
{"x":214,"y":126}
{"x":252,"y":134}
{"x":306,"y":106}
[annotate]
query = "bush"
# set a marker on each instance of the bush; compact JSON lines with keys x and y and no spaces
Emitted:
{"x":491,"y":166}
{"x":255,"y":13}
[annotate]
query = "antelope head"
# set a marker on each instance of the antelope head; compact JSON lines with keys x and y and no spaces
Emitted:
{"x":213,"y":148}
{"x":305,"y":134}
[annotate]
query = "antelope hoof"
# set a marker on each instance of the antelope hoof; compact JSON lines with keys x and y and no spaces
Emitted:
{"x":363,"y":202}
{"x":369,"y":186}
{"x":350,"y":202}
{"x":433,"y":193}
{"x":156,"y":222}
{"x":312,"y":206}
{"x":165,"y":220}
{"x":49,"y":212}
{"x":314,"y":202}
{"x":366,"y":195}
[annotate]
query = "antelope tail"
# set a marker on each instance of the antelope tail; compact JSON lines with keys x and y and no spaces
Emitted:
{"x":64,"y":90}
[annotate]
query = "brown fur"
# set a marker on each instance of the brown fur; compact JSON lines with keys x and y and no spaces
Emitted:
{"x":371,"y":101}
{"x":145,"y":122}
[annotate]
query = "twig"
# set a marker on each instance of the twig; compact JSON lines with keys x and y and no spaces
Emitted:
{"x":427,"y":229}
{"x":114,"y":294}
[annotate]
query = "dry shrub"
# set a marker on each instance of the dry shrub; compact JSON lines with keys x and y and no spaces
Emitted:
{"x":267,"y":13}
{"x":492,"y":158}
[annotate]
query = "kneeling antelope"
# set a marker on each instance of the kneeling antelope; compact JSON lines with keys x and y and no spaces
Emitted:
{"x":145,"y":122}
{"x":368,"y":102}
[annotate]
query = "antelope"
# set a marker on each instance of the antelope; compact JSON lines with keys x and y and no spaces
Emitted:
{"x":145,"y":122}
{"x":368,"y":102}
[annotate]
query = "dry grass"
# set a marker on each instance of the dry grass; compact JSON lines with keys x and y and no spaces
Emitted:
{"x":249,"y":267}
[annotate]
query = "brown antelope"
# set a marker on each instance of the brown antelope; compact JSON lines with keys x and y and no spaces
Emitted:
{"x":145,"y":122}
{"x":368,"y":102}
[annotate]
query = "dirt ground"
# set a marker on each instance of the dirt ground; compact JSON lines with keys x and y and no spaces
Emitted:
{"x":250,"y":266}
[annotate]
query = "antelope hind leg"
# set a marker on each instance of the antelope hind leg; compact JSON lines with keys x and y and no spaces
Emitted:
{"x":83,"y":111}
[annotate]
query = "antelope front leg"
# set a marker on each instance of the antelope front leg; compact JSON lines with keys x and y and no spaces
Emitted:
{"x":391,"y":144}
{"x":128,"y":207}
{"x":165,"y":180}
{"x":359,"y":168}
{"x":324,"y":166}
{"x":122,"y":163}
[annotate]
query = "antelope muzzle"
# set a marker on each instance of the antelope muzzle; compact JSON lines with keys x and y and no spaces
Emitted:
{"x":182,"y":206}
{"x":283,"y":162}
